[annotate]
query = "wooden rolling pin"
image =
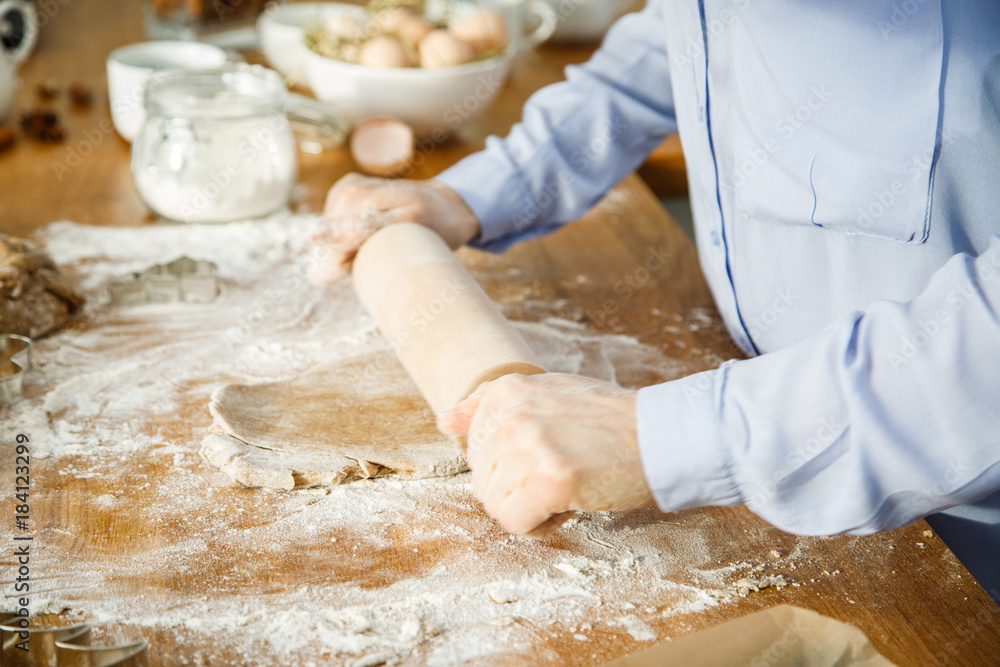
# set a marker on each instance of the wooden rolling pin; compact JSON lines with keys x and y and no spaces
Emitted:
{"x":446,"y":332}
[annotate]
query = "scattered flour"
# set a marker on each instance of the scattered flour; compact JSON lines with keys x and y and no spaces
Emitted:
{"x":382,"y":570}
{"x":639,"y":629}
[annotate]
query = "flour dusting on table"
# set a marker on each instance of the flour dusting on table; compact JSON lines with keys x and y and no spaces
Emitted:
{"x":420,"y":574}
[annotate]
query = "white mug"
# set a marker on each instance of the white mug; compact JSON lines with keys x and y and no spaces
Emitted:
{"x":130,"y":66}
{"x":19,"y":27}
{"x":520,"y":14}
{"x":523,"y":13}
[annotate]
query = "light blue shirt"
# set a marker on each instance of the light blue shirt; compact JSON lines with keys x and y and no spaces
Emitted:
{"x":844,"y":169}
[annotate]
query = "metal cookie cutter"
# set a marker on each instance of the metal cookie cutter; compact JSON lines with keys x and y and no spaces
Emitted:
{"x":36,"y":646}
{"x":127,"y":655}
{"x":15,"y":361}
{"x":182,"y":280}
{"x":63,"y":647}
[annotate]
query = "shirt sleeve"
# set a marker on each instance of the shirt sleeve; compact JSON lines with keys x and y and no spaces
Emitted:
{"x":880,"y":419}
{"x":577,"y":138}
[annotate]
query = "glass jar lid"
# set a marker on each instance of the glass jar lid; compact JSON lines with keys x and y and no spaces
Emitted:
{"x":223,"y":93}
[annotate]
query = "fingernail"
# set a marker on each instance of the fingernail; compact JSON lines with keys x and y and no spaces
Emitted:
{"x":445,"y":422}
{"x":327,"y":273}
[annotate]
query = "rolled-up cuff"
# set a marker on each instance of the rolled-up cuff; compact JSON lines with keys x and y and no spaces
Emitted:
{"x":681,"y":443}
{"x":491,"y":186}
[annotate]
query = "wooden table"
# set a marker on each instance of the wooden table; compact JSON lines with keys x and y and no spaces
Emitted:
{"x":905,"y":589}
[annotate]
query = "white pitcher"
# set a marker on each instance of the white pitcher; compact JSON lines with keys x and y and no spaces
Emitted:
{"x":18,"y":32}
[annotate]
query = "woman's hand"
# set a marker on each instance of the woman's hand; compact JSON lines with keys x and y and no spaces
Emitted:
{"x":540,"y":446}
{"x":358,"y":206}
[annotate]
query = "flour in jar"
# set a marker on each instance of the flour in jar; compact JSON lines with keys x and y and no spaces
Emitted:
{"x":216,"y":145}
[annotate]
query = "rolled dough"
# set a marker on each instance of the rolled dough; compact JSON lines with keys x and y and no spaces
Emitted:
{"x":364,"y":417}
{"x":353,"y":419}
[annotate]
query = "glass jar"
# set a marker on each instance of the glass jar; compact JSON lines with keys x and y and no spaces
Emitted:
{"x":216,"y":145}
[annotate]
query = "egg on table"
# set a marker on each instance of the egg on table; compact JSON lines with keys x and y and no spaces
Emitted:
{"x":382,"y":146}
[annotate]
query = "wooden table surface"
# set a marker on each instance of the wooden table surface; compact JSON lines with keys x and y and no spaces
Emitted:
{"x":905,"y":589}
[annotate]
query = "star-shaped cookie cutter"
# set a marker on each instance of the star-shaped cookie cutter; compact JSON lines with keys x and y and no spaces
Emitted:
{"x":182,"y":280}
{"x":15,"y":361}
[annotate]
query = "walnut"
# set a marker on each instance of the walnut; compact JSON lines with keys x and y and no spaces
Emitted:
{"x":80,"y":96}
{"x":42,"y":125}
{"x":47,"y":90}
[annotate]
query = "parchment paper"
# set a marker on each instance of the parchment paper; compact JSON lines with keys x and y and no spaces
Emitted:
{"x":783,"y":636}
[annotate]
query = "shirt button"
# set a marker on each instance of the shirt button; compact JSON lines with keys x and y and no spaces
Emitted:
{"x":715,"y":238}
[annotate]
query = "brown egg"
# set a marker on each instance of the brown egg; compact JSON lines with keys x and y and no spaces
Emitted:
{"x":384,"y":51}
{"x":440,"y":48}
{"x":485,"y":30}
{"x":382,"y":146}
{"x":346,"y":27}
{"x":403,"y":23}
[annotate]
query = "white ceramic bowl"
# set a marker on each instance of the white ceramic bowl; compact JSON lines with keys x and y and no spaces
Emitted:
{"x":434,"y":102}
{"x":280,"y":29}
{"x":585,"y":21}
